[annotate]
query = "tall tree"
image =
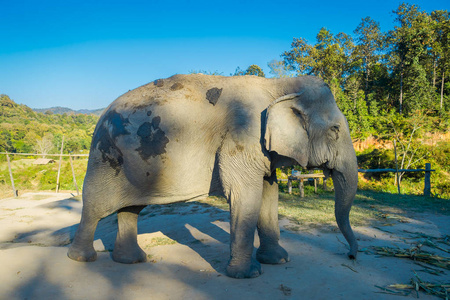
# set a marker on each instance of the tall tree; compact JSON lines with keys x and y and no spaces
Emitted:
{"x":279,"y":68}
{"x":409,"y":43}
{"x":369,"y":43}
{"x":251,"y":70}
{"x":329,"y":58}
{"x":255,"y":70}
{"x":441,"y":48}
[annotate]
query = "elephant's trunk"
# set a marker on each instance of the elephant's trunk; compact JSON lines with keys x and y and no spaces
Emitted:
{"x":345,"y":179}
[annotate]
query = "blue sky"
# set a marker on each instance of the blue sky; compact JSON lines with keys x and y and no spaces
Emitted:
{"x":84,"y":54}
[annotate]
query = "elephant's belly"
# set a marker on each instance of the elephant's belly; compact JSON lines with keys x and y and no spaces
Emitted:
{"x":172,"y":178}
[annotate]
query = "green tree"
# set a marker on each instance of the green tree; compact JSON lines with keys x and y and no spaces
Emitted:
{"x":369,"y":44}
{"x":353,"y":105}
{"x":330,"y":58}
{"x":255,"y":70}
{"x":279,"y":68}
{"x":409,"y":44}
{"x":406,"y":132}
{"x":441,"y":49}
{"x":251,"y":70}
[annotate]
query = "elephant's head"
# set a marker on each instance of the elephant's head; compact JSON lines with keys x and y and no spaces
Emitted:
{"x":309,"y":127}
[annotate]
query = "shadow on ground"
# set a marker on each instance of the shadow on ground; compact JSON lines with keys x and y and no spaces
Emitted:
{"x":188,"y":248}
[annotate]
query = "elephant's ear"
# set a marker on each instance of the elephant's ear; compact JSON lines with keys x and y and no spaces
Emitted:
{"x":285,"y":131}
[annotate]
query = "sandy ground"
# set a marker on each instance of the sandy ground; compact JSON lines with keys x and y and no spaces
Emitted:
{"x":188,"y":248}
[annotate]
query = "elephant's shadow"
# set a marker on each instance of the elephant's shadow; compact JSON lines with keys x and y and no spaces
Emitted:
{"x":202,"y":227}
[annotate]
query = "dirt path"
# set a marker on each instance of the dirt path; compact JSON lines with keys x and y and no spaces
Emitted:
{"x":188,"y":250}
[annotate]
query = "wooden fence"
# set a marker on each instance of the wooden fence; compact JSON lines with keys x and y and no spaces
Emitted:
{"x":427,"y":181}
{"x":61,"y":155}
{"x":302,"y":177}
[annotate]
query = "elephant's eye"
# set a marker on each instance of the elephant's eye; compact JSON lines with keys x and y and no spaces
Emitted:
{"x":335,"y":128}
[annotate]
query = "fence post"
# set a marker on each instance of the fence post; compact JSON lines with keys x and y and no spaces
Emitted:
{"x":427,"y":186}
{"x":73,"y":175}
{"x":289,"y":186}
{"x":59,"y":167}
{"x":11,"y":175}
{"x":301,"y":186}
{"x":396,"y":168}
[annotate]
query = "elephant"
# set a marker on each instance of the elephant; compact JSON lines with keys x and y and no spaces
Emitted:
{"x":189,"y":136}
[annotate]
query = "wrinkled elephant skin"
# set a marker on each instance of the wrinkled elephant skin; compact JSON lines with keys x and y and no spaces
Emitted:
{"x":189,"y":136}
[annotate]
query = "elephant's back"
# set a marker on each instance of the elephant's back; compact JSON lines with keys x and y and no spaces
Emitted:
{"x":201,"y":89}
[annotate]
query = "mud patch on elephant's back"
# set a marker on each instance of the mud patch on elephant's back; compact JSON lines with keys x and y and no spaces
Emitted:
{"x":159,"y":82}
{"x":112,"y":127}
{"x":213,"y":95}
{"x":152,"y":138}
{"x":176,"y":86}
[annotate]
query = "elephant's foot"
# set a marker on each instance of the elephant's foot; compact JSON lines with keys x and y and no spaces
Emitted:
{"x":272,"y":255}
{"x":129,"y":255}
{"x":244,"y":270}
{"x":83,"y":254}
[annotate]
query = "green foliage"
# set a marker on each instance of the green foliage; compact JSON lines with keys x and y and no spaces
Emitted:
{"x":23,"y":131}
{"x":405,"y":69}
{"x":318,"y":209}
{"x":251,"y":70}
{"x":279,"y":68}
{"x":438,"y":155}
{"x":28,"y":176}
{"x":328,"y":59}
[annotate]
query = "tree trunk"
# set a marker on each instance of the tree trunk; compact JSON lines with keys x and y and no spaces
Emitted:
{"x":366,"y":90}
{"x":401,"y":89}
{"x":442,"y":90}
{"x":434,"y":71}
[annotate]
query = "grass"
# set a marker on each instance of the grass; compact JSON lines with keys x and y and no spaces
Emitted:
{"x":318,"y":209}
{"x":367,"y":207}
{"x":30,"y":177}
{"x":159,"y":241}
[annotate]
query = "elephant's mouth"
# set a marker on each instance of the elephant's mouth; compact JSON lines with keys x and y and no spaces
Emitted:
{"x":323,"y":157}
{"x":327,"y":166}
{"x":326,"y":171}
{"x":330,"y":164}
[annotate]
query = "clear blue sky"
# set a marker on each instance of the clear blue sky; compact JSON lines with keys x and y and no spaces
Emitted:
{"x":84,"y":54}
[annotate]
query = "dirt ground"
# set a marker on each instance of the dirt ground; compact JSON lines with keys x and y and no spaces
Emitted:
{"x":188,"y":248}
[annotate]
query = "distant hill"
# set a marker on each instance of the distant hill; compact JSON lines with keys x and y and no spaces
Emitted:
{"x":23,"y":130}
{"x":61,"y":110}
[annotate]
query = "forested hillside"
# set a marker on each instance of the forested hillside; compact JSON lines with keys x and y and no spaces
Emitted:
{"x":24,"y":131}
{"x":66,"y":110}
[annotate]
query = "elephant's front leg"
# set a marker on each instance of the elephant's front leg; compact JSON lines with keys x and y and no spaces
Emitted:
{"x":244,"y":209}
{"x":270,"y":251}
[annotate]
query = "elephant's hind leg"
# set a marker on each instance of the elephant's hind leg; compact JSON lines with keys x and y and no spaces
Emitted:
{"x":126,"y":248}
{"x":270,"y":251}
{"x":82,"y":248}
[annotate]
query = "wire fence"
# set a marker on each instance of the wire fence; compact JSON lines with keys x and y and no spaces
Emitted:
{"x":61,"y":155}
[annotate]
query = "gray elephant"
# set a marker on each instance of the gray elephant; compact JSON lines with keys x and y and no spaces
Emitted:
{"x":189,"y":136}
